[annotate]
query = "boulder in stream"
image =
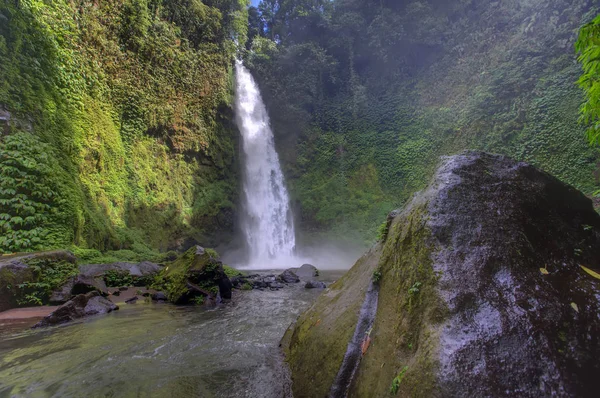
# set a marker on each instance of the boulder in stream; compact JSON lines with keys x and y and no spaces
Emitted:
{"x":80,"y":306}
{"x":197,"y":272}
{"x":487,"y":286}
{"x":288,"y":276}
{"x":315,"y":285}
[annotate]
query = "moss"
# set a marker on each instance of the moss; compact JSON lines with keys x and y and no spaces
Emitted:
{"x":202,"y":270}
{"x":231,"y":272}
{"x":116,"y":131}
{"x":316,"y":344}
{"x":35,"y":284}
{"x":409,"y":309}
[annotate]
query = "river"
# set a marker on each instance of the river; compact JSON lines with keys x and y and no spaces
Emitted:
{"x":159,"y":350}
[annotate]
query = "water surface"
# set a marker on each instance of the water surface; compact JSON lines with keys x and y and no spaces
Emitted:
{"x":158,"y":350}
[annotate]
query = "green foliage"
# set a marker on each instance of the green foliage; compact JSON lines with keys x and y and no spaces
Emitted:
{"x":377,"y":275}
{"x":48,"y":275}
{"x":119,"y":120}
{"x":231,"y":272}
{"x":398,"y":380}
{"x":32,"y":201}
{"x":117,"y":278}
{"x":588,"y":47}
{"x":364,"y":106}
{"x":382,"y":231}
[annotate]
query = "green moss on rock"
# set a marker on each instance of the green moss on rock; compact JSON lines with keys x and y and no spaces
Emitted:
{"x":196,"y":272}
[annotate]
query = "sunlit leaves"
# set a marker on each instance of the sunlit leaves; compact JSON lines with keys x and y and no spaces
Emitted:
{"x":588,"y":47}
{"x":590,"y":272}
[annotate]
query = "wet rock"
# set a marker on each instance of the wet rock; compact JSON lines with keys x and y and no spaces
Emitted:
{"x":123,"y":288}
{"x":288,"y":276}
{"x":315,"y":285}
{"x":307,"y":271}
{"x":79,"y":284}
{"x":80,"y":306}
{"x":276,"y":285}
{"x":132,"y":300}
{"x":197,"y":272}
{"x":481,"y":293}
{"x":159,"y":296}
{"x":260,"y":284}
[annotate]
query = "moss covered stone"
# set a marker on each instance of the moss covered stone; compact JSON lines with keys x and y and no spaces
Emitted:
{"x":481,"y":293}
{"x":29,"y":279}
{"x":197,"y":272}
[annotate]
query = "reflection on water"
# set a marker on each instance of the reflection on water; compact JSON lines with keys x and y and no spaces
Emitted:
{"x":158,"y":350}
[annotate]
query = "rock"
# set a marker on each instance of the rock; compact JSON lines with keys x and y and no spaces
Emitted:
{"x":259,"y":284}
{"x":123,"y":288}
{"x":159,"y":296}
{"x":288,"y":276}
{"x":123,"y":273}
{"x":307,"y":271}
{"x":276,"y":285}
{"x":480,"y":290}
{"x":132,"y":300}
{"x":116,"y":293}
{"x":196,"y":272}
{"x":79,"y":284}
{"x":315,"y":285}
{"x":80,"y":306}
{"x":15,"y":270}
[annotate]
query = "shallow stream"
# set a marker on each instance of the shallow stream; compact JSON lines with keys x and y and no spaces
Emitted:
{"x":159,"y":350}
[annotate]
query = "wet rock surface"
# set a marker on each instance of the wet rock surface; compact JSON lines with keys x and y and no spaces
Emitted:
{"x":289,"y":276}
{"x":482,"y":293}
{"x":306,"y":271}
{"x":315,"y":285}
{"x":523,"y":315}
{"x":80,"y":306}
{"x":79,"y":284}
{"x":198,"y":272}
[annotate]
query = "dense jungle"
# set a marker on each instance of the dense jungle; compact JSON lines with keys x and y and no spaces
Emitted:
{"x":205,"y":174}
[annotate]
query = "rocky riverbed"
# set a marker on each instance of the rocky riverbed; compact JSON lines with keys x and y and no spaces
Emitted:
{"x":153,"y":349}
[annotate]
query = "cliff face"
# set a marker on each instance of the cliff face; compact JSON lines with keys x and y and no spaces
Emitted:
{"x":116,"y":124}
{"x":484,"y":286}
{"x":365,"y":96}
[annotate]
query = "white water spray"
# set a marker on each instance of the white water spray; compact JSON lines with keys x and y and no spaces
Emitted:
{"x":267,"y":220}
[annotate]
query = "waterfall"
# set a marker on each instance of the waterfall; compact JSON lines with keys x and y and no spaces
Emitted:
{"x":266,"y":218}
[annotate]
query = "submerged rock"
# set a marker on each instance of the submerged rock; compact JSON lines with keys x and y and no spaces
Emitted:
{"x":481,"y":293}
{"x":315,"y":285}
{"x":80,"y":306}
{"x":159,"y":296}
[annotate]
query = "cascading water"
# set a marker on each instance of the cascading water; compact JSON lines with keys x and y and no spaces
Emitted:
{"x":267,"y":219}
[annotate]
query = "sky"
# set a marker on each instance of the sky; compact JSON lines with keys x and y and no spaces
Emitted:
{"x":255,"y":2}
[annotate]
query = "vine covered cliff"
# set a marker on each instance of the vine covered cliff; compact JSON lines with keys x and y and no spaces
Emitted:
{"x":116,"y":128}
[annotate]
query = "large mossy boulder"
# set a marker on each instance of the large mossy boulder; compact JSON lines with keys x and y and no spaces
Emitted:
{"x":195,"y":275}
{"x":30,"y":278}
{"x":486,"y":288}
